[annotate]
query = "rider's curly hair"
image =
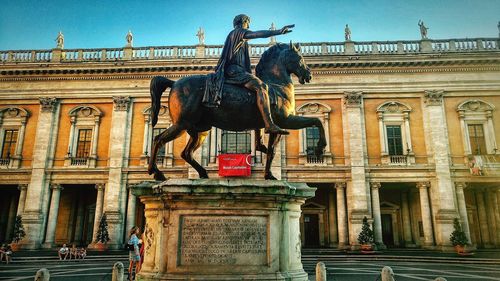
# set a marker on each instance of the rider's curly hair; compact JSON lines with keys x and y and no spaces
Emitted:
{"x":239,"y":19}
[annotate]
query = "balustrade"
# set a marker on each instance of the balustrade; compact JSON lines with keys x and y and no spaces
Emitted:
{"x":214,"y":51}
{"x":79,"y":161}
{"x":4,"y":162}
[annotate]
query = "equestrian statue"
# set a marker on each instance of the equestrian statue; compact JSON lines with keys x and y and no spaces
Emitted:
{"x":234,"y":99}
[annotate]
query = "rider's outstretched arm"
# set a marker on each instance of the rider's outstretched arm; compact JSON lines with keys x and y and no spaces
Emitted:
{"x":268,"y":33}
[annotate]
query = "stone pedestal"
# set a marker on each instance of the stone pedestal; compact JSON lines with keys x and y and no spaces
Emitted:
{"x":217,"y":229}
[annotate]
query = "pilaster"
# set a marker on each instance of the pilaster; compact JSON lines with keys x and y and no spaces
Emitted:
{"x":52,"y":218}
{"x":35,"y":213}
{"x":425,"y":210}
{"x":114,"y":202}
{"x":357,"y":189}
{"x":377,"y":217}
{"x":442,"y":193}
{"x":342,"y":216}
{"x":462,"y":209}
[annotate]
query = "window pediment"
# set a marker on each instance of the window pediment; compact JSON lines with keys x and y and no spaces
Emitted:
{"x":475,"y":106}
{"x":85,"y":111}
{"x":393,"y":107}
{"x":311,"y":108}
{"x":14,"y":112}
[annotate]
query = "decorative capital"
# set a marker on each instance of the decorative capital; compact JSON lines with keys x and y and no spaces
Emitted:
{"x":340,"y":185}
{"x":121,"y":103}
{"x":22,"y":187}
{"x":56,"y":186}
{"x":353,"y":99}
{"x":48,"y":104}
{"x":423,"y":185}
{"x":100,"y":186}
{"x":460,"y":185}
{"x":433,"y":97}
{"x":375,"y":185}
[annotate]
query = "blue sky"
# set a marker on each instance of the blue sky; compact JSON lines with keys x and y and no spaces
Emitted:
{"x":34,"y":24}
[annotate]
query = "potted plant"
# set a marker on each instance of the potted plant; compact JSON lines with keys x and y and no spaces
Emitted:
{"x":365,"y":237}
{"x":19,"y":233}
{"x":102,"y":236}
{"x":458,"y":237}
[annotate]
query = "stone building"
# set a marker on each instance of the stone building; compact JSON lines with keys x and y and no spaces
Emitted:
{"x":412,"y":140}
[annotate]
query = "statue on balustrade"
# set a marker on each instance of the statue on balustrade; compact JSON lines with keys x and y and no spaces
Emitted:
{"x":347,"y":32}
{"x":60,"y":40}
{"x":129,"y":38}
{"x":234,"y":99}
{"x":201,"y":36}
{"x":423,"y":29}
{"x":272,"y":39}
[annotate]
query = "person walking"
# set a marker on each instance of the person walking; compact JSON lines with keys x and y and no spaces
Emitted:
{"x":134,"y":253}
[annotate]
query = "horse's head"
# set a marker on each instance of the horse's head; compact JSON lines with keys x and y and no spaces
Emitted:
{"x":295,"y":63}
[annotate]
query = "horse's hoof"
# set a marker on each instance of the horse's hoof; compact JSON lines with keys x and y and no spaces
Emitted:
{"x":270,"y":177}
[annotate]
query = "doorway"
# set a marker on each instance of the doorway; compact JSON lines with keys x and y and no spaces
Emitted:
{"x":387,"y":232}
{"x":311,"y":230}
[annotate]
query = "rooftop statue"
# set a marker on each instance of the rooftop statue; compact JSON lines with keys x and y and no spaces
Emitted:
{"x":347,"y":32}
{"x":201,"y":36}
{"x":129,"y":38}
{"x":423,"y":29}
{"x":60,"y":40}
{"x":244,"y":101}
{"x":272,"y":39}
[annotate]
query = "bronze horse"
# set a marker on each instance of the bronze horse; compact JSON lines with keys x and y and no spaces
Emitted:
{"x":237,"y":111}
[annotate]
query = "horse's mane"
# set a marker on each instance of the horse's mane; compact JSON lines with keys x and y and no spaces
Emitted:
{"x":268,"y":56}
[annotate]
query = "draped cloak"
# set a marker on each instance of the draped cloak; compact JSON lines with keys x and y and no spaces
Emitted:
{"x":235,"y":51}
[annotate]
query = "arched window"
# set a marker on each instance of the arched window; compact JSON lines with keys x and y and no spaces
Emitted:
{"x":394,"y":131}
{"x":12,"y":127}
{"x":83,"y":136}
{"x":308,"y":137}
{"x":165,"y":156}
{"x":478,"y":131}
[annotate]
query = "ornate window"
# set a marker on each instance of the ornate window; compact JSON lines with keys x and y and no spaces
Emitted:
{"x":83,"y":136}
{"x":394,"y":130}
{"x":478,"y":131}
{"x":220,"y":141}
{"x":165,"y":156}
{"x":12,"y":128}
{"x":236,"y":142}
{"x":308,"y":137}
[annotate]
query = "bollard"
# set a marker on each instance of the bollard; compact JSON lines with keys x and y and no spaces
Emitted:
{"x":42,"y":274}
{"x":320,"y":271}
{"x":387,"y":274}
{"x":440,"y":279}
{"x":118,"y":269}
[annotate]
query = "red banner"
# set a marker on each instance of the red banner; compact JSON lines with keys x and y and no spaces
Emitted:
{"x":234,"y":165}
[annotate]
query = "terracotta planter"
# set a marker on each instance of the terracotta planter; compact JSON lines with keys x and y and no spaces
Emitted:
{"x":101,"y":247}
{"x":366,"y":248}
{"x":15,"y":247}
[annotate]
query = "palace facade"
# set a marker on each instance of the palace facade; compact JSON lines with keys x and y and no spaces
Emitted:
{"x":412,"y":131}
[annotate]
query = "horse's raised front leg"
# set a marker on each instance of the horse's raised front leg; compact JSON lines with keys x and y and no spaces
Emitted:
{"x":160,"y":140}
{"x":195,"y":141}
{"x":300,"y":122}
{"x":274,"y":139}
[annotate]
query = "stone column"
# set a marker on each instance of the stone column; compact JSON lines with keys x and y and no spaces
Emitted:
{"x":377,"y":217}
{"x":341,"y":215}
{"x":405,"y":212}
{"x":462,"y":209}
{"x":496,"y":201}
{"x":22,"y":198}
{"x":11,"y":219}
{"x":131,"y":206}
{"x":358,"y":190}
{"x":332,"y":221}
{"x":98,"y":209}
{"x":50,"y":235}
{"x":35,"y":213}
{"x":442,"y":193}
{"x":492,"y":224}
{"x":80,"y":219}
{"x":426,"y":214}
{"x":483,"y":220}
{"x":114,"y":200}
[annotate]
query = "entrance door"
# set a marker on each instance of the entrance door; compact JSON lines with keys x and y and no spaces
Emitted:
{"x":387,"y":234}
{"x":311,"y":230}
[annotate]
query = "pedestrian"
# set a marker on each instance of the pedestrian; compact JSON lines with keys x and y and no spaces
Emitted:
{"x":2,"y":252}
{"x":141,"y":251}
{"x":73,"y":252}
{"x":134,"y":252}
{"x":8,"y":254}
{"x":63,"y":252}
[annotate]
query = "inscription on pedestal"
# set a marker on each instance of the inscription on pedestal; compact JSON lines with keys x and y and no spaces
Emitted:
{"x":223,"y":240}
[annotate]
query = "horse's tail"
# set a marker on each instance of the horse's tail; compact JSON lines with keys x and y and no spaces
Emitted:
{"x":158,"y":85}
